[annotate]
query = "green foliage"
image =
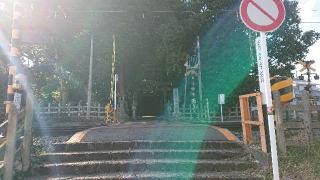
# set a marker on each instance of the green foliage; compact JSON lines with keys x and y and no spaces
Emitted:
{"x":286,"y":46}
{"x":153,"y":38}
{"x":299,"y":163}
{"x":289,"y":44}
{"x":151,"y":45}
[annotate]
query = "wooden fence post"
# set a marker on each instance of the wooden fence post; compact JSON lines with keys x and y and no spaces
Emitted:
{"x":237,"y":110}
{"x":49,"y":108}
{"x":79,"y":109}
{"x":99,"y":107}
{"x":279,"y":123}
{"x":245,"y":118}
{"x":263,"y":140}
{"x":307,"y":116}
{"x":69,"y":113}
{"x":11,"y":143}
{"x":59,"y":109}
{"x":27,"y":140}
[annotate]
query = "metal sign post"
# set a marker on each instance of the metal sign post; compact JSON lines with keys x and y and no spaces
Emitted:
{"x":221,"y":102}
{"x":265,"y":16}
{"x":176,"y":102}
{"x":266,"y":92}
{"x":115,"y":91}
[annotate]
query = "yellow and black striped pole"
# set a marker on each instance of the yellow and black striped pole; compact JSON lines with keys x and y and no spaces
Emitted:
{"x":111,"y":108}
{"x":285,"y":87}
{"x":14,"y":53}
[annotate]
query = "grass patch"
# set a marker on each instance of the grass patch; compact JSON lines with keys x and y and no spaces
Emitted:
{"x":300,"y":164}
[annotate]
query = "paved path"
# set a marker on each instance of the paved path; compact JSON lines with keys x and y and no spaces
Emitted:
{"x":153,"y":131}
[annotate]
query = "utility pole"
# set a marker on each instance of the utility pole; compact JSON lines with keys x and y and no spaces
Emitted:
{"x":90,"y":79}
{"x":200,"y":75}
{"x":11,"y":110}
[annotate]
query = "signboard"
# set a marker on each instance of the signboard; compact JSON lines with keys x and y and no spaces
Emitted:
{"x":221,"y":99}
{"x":262,"y":15}
{"x":265,"y":16}
{"x":17,"y":100}
{"x":260,"y":67}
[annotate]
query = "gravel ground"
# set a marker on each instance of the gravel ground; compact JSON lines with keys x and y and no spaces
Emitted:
{"x":238,"y":134}
{"x":45,"y":143}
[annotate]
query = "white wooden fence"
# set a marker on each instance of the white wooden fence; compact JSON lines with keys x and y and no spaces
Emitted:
{"x":97,"y":112}
{"x":78,"y":110}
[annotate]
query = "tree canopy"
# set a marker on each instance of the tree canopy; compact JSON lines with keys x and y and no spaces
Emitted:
{"x":153,"y":39}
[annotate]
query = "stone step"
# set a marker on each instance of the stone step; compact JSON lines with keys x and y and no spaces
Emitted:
{"x":126,"y":145}
{"x":142,"y":165}
{"x":140,"y":154}
{"x":159,"y":175}
{"x":44,"y":131}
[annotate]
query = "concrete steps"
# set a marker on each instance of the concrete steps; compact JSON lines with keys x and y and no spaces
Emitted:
{"x":162,"y":165}
{"x":160,"y":176}
{"x":120,"y":145}
{"x":139,"y":154}
{"x":146,"y":160}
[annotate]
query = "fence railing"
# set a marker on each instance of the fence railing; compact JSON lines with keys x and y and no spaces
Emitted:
{"x":296,"y":124}
{"x":96,"y":111}
{"x":229,"y":115}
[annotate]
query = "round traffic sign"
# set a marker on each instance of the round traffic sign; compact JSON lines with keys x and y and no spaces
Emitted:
{"x":262,"y":15}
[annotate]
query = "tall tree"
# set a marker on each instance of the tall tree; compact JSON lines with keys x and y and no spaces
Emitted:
{"x":286,"y":46}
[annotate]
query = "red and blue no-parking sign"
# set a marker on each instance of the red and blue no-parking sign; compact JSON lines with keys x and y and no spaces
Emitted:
{"x":262,"y":15}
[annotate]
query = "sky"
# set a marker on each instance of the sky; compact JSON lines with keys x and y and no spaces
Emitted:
{"x":310,"y":12}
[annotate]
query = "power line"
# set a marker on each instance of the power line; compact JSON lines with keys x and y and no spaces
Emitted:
{"x":124,"y":11}
{"x":310,"y":22}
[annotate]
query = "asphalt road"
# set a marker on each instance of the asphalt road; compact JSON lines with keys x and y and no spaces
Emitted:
{"x":151,"y":131}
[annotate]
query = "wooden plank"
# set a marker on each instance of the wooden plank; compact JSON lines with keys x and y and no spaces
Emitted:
{"x":293,"y":107}
{"x":293,"y":143}
{"x":242,"y":106}
{"x":263,"y":140}
{"x":27,"y":137}
{"x":256,"y":123}
{"x":293,"y":125}
{"x":11,"y":143}
{"x":307,"y":116}
{"x":300,"y":125}
{"x":247,"y":119}
{"x":279,"y":123}
{"x":249,"y":95}
{"x":314,"y":108}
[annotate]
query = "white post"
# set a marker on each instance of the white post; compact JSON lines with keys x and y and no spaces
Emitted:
{"x":59,"y":109}
{"x":99,"y":107}
{"x":49,"y":108}
{"x":208,"y":109}
{"x":221,"y":111}
{"x":221,"y":101}
{"x":200,"y":74}
{"x":90,"y":80}
{"x":115,"y":91}
{"x":266,"y":92}
{"x":176,"y":102}
{"x":79,"y":109}
{"x":69,"y":113}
